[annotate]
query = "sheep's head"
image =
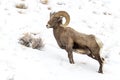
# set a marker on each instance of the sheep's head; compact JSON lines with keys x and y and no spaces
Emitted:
{"x":56,"y":19}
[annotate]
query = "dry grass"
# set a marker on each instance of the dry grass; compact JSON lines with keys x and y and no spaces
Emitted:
{"x":37,"y":43}
{"x":49,"y":8}
{"x":44,"y":1}
{"x":30,"y":40}
{"x":21,"y":6}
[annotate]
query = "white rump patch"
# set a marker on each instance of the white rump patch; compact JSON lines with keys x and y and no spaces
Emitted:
{"x":100,"y":44}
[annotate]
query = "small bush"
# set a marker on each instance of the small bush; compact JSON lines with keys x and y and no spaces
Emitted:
{"x":44,"y":1}
{"x":25,"y":39}
{"x":49,"y":8}
{"x":37,"y":43}
{"x":21,"y":6}
{"x":30,"y":40}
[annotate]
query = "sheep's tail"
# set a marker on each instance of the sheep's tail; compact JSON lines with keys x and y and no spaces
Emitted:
{"x":100,"y":44}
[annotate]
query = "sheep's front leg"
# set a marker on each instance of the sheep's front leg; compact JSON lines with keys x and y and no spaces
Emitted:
{"x":70,"y":55}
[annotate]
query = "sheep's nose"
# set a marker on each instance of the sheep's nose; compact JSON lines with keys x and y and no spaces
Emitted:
{"x":48,"y":26}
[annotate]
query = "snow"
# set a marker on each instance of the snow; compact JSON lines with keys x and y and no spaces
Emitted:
{"x":17,"y":62}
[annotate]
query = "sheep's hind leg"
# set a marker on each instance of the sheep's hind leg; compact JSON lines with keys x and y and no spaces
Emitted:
{"x":90,"y":55}
{"x":100,"y":60}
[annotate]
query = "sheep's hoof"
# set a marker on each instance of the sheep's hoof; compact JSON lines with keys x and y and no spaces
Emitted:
{"x":100,"y":71}
{"x":72,"y":62}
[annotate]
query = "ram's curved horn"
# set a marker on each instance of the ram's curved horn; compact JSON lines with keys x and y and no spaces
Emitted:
{"x":64,"y":14}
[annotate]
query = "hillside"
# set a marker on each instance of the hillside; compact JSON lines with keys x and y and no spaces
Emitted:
{"x":17,"y":62}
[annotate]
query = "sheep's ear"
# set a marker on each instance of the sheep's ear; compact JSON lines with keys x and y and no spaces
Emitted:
{"x":52,"y":13}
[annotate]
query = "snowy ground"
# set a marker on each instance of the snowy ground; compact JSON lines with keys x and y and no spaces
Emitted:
{"x":98,"y":17}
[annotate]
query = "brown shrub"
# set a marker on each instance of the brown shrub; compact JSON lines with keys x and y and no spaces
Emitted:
{"x":44,"y":1}
{"x":30,"y":40}
{"x":37,"y":43}
{"x":21,"y":6}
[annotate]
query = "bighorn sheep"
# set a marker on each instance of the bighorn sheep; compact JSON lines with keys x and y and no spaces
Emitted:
{"x":71,"y":40}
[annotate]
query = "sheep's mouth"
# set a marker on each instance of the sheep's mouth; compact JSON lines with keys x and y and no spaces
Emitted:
{"x":48,"y":26}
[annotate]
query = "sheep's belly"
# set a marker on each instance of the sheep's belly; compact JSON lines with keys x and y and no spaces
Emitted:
{"x":81,"y":51}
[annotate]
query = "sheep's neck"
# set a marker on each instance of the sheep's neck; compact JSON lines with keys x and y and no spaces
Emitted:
{"x":57,"y":31}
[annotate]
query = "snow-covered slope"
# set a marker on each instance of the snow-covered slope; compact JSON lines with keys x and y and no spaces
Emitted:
{"x":98,"y":17}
